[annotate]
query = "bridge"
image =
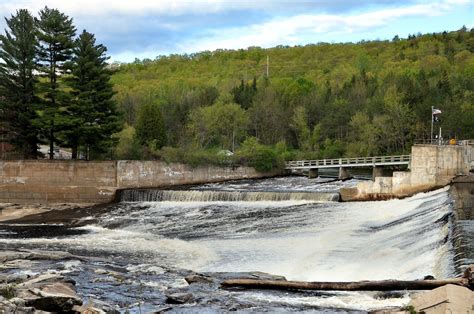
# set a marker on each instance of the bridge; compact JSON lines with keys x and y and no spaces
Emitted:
{"x":343,"y":164}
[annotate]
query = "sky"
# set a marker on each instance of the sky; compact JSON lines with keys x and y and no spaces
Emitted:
{"x":149,"y":28}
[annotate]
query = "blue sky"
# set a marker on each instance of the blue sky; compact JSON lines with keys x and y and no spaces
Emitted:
{"x":148,"y":28}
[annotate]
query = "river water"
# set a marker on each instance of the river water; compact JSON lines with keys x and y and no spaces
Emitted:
{"x":289,"y":226}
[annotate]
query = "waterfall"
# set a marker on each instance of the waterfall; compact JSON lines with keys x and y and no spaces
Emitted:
{"x":225,"y":196}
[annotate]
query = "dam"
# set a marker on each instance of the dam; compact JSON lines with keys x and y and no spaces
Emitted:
{"x":148,"y":241}
{"x":160,"y":229}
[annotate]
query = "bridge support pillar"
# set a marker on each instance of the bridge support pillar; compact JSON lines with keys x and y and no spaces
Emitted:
{"x":313,"y":173}
{"x":344,"y":173}
{"x":377,"y":172}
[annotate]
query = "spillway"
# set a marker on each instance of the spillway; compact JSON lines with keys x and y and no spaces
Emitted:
{"x":302,"y":235}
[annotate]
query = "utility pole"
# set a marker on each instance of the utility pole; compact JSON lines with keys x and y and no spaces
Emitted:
{"x":440,"y":140}
{"x":268,"y":64}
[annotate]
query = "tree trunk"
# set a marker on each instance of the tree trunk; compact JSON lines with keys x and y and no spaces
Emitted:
{"x":74,"y":152}
{"x":382,"y":285}
{"x":51,"y":142}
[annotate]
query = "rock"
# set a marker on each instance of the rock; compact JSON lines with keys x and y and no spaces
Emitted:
{"x":17,"y":301}
{"x":179,"y":298}
{"x":87,"y":309}
{"x":469,"y":275}
{"x":445,"y":299}
{"x":198,"y":278}
{"x":6,"y":256}
{"x":7,"y":307}
{"x":41,"y":278}
{"x":49,"y":296}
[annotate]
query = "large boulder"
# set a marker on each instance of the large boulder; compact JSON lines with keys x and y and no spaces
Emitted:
{"x":48,"y":292}
{"x":445,"y":299}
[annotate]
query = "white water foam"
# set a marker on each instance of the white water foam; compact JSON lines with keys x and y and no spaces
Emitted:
{"x":401,"y":239}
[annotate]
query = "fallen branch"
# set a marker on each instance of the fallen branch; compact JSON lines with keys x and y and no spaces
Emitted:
{"x":382,"y":285}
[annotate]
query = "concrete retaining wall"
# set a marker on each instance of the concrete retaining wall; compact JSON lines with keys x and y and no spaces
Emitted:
{"x":54,"y":181}
{"x":431,"y":166}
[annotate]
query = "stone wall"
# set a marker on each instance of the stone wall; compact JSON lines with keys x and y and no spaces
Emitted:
{"x":431,"y":166}
{"x":55,"y":181}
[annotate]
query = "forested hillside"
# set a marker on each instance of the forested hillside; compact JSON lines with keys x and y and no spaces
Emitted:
{"x":327,"y":100}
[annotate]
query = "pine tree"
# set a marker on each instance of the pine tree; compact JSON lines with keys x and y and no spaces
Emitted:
{"x":150,"y":127}
{"x":56,"y":33}
{"x":18,"y":49}
{"x":92,"y":113}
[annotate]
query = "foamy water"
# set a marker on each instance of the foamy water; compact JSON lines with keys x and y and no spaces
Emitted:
{"x":299,"y":239}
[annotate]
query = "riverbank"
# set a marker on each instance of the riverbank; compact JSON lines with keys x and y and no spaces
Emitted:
{"x":11,"y":212}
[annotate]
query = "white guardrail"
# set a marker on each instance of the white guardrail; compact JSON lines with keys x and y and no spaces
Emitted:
{"x":354,"y":162}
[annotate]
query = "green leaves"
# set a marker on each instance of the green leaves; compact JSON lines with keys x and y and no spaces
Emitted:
{"x":91,"y":112}
{"x":150,"y":127}
{"x":18,"y":49}
{"x":55,"y":33}
{"x":71,"y":104}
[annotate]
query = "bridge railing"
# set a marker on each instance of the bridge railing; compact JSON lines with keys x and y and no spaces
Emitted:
{"x":443,"y":142}
{"x":399,"y":159}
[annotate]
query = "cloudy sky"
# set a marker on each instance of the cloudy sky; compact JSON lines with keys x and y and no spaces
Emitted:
{"x":148,"y":28}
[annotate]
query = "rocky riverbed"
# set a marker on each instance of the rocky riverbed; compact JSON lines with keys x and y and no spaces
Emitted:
{"x":55,"y":281}
{"x":143,"y":257}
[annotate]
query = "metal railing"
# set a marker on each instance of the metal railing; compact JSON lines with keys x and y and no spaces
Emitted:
{"x":442,"y":142}
{"x":353,"y":162}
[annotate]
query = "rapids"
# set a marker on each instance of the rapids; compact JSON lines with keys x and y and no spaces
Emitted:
{"x":220,"y":228}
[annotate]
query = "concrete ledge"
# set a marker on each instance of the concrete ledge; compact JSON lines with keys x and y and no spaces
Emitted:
{"x":67,"y":181}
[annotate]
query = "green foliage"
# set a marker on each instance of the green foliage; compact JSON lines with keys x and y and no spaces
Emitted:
{"x":223,"y":125}
{"x":244,"y":93}
{"x":127,"y":145}
{"x":55,"y":33}
{"x":92,"y":113}
{"x":150,"y":127}
{"x":196,"y":157}
{"x":7,"y":291}
{"x":262,"y":158}
{"x":54,"y":87}
{"x":324,"y":100}
{"x":18,"y":83}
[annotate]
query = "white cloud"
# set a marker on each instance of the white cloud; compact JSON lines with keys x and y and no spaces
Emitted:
{"x":295,"y":29}
{"x":133,"y":7}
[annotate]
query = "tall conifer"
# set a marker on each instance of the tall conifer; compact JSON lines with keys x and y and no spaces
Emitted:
{"x":56,"y":33}
{"x":18,"y":49}
{"x":92,"y":111}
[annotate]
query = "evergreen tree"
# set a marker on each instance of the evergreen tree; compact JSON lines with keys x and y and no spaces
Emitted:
{"x":244,"y":93}
{"x":56,"y":33}
{"x":92,"y":113}
{"x":150,"y":128}
{"x":18,"y":49}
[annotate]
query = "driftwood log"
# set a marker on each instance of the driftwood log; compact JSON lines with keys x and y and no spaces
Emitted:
{"x":382,"y":285}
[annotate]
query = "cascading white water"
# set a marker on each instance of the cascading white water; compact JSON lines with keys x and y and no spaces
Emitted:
{"x":226,"y":196}
{"x":295,"y":237}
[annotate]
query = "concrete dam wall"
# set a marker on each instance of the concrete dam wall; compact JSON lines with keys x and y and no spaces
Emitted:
{"x":431,"y":166}
{"x":58,"y":181}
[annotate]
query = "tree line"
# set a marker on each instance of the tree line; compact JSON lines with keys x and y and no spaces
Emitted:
{"x":319,"y":101}
{"x":55,"y":87}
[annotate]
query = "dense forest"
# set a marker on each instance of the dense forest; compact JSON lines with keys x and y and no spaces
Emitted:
{"x":318,"y":101}
{"x":254,"y":106}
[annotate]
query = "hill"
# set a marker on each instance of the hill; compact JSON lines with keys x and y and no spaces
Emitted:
{"x":368,"y":98}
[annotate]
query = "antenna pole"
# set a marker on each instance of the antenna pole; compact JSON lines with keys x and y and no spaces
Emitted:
{"x":268,"y":64}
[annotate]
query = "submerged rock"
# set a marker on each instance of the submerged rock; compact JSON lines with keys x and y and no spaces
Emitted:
{"x":179,"y":298}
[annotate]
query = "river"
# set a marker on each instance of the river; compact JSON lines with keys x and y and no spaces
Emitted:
{"x":289,"y":226}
